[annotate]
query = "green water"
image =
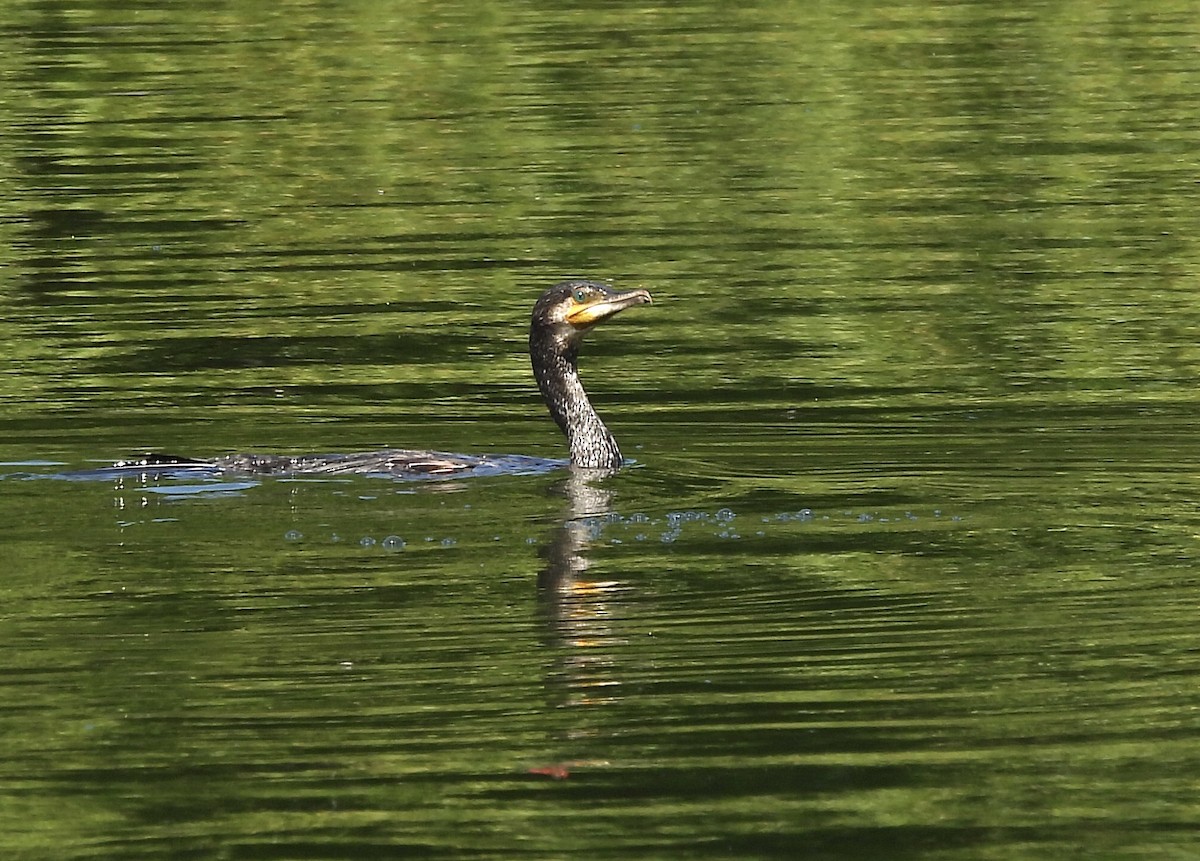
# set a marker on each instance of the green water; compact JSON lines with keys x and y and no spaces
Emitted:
{"x":906,"y":565}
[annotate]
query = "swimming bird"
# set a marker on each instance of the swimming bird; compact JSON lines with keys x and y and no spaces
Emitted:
{"x":561,"y":318}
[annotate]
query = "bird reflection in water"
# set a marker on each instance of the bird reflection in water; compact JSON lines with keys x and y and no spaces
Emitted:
{"x":578,"y":611}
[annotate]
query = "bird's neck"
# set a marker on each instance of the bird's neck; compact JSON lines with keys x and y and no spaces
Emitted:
{"x":592,"y":445}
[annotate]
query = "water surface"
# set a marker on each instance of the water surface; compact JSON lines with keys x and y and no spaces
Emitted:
{"x":905,"y":564}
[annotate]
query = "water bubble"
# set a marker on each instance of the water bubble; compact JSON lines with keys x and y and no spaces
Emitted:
{"x":725,"y":515}
{"x":293,"y":535}
{"x":393,"y":542}
{"x":448,"y":542}
{"x":366,"y":541}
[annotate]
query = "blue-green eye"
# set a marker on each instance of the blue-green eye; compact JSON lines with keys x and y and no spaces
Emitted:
{"x":581,"y":295}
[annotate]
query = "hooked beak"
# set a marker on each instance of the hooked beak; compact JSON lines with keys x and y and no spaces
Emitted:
{"x":603,"y":307}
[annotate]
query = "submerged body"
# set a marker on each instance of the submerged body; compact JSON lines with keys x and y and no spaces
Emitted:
{"x":396,"y":463}
{"x":561,"y":317}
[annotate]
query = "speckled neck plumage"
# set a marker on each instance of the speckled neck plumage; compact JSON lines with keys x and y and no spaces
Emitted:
{"x":592,"y":444}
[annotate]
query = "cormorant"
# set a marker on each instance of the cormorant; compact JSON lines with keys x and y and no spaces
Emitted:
{"x":562,"y":316}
